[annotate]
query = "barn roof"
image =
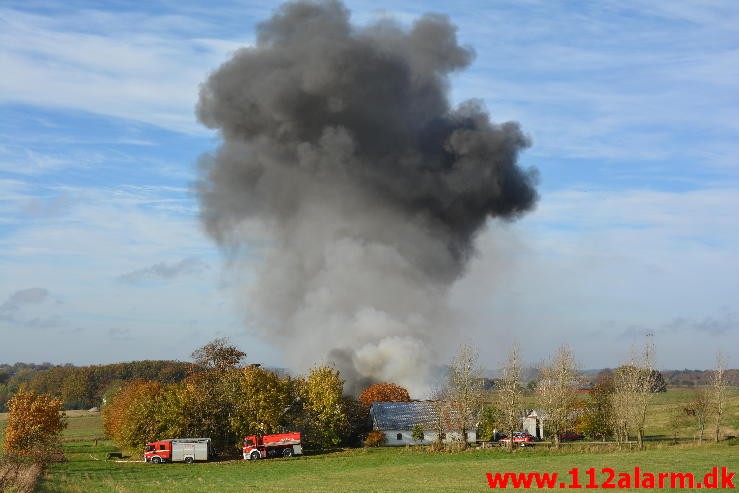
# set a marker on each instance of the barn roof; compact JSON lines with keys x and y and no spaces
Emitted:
{"x":406,"y":415}
{"x":403,"y":415}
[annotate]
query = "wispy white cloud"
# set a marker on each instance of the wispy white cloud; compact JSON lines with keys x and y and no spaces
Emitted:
{"x":26,"y":161}
{"x":615,"y":80}
{"x":30,"y":308}
{"x":165,"y":270}
{"x":127,"y":65}
{"x":79,"y":255}
{"x":25,"y":297}
{"x":724,"y":323}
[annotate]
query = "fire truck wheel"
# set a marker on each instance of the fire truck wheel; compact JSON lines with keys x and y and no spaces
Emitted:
{"x":188,"y":460}
{"x":156,"y":460}
{"x":255,"y":455}
{"x":288,"y":452}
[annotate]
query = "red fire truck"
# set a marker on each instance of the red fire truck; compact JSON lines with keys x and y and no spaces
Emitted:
{"x":178,"y":450}
{"x":279,"y":445}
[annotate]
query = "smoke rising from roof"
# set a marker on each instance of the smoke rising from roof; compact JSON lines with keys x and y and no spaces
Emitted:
{"x":341,"y":140}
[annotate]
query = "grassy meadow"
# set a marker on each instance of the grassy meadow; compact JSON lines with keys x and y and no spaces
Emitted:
{"x":379,"y":469}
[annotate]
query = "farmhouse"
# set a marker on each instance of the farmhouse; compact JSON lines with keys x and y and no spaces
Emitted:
{"x":397,"y":420}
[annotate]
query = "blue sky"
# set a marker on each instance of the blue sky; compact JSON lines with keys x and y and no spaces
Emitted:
{"x":631,"y":106}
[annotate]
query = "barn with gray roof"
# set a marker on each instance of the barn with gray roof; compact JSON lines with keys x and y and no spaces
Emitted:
{"x":397,"y":420}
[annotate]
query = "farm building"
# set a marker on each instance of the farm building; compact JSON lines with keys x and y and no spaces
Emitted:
{"x":533,"y":422}
{"x":397,"y":420}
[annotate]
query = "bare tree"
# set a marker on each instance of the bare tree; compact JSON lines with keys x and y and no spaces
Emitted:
{"x":558,"y":384}
{"x":508,"y":395}
{"x":700,"y":405}
{"x":218,"y":354}
{"x":633,"y":384}
{"x":623,"y":388}
{"x":599,"y":422}
{"x":678,"y":421}
{"x":462,"y":395}
{"x":719,"y":389}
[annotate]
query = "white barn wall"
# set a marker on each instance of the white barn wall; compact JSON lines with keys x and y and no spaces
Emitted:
{"x":429,"y":437}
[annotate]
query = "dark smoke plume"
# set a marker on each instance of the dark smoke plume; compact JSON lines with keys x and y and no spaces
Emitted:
{"x":341,"y":140}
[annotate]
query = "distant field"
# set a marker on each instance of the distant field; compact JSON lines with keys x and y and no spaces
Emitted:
{"x":383,"y":469}
{"x":82,"y":425}
{"x":663,"y":405}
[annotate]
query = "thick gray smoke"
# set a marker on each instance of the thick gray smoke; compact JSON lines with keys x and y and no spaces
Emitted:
{"x":341,"y":140}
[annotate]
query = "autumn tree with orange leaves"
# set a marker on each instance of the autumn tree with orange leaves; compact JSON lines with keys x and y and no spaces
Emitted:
{"x":34,"y":427}
{"x":383,"y":392}
{"x":131,"y":418}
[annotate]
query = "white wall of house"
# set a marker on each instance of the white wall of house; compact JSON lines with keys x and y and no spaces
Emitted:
{"x":534,"y":425}
{"x":398,"y":438}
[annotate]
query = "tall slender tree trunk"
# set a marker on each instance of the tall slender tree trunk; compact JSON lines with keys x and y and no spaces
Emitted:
{"x":718,"y":393}
{"x":510,"y":440}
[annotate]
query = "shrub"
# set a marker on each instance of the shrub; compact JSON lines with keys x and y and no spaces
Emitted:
{"x":375,"y":439}
{"x":34,"y":427}
{"x":19,"y":477}
{"x":417,"y":433}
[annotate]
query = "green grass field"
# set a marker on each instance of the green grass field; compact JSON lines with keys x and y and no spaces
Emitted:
{"x":378,"y":469}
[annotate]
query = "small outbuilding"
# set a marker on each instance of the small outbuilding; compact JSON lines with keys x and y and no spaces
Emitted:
{"x":396,"y":421}
{"x":533,"y":422}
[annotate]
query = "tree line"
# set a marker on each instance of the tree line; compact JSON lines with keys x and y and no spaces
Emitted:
{"x":83,"y":387}
{"x":217,"y":395}
{"x":225,"y":400}
{"x":698,"y":378}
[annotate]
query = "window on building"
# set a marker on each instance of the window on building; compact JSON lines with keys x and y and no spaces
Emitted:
{"x":399,"y":436}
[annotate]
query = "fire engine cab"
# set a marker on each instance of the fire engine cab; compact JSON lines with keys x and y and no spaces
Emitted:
{"x":279,"y":445}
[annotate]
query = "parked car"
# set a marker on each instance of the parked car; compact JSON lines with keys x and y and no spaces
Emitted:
{"x":520,"y":438}
{"x":570,"y":436}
